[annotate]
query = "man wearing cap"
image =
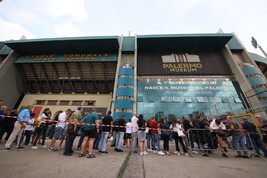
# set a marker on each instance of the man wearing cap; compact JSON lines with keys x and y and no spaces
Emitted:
{"x":19,"y":127}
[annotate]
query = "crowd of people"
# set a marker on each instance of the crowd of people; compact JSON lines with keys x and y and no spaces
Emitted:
{"x":140,"y":135}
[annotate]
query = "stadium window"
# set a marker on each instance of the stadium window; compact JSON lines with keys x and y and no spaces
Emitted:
{"x":40,"y":102}
{"x":52,"y":102}
{"x":77,"y":103}
{"x":64,"y":102}
{"x":90,"y":103}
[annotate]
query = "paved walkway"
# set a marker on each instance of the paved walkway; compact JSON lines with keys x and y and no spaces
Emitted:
{"x":42,"y":163}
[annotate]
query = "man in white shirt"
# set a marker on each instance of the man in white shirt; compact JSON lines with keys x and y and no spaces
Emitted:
{"x":128,"y":136}
{"x":59,"y":128}
{"x":134,"y":126}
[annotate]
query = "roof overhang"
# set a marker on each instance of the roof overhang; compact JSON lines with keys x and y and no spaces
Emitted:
{"x":183,"y":42}
{"x":65,"y":45}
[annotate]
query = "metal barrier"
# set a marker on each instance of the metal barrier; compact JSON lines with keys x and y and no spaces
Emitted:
{"x":208,"y":141}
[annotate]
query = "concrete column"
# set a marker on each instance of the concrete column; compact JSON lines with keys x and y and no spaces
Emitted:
{"x":239,"y":75}
{"x":135,"y":77}
{"x":117,"y":74}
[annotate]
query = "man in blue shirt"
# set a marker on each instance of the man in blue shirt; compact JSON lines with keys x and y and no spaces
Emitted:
{"x":255,"y":137}
{"x":18,"y":128}
{"x":90,"y":133}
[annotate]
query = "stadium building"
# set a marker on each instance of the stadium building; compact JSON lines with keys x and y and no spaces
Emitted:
{"x":164,"y":76}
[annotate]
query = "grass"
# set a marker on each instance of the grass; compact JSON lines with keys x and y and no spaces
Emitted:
{"x":123,"y":166}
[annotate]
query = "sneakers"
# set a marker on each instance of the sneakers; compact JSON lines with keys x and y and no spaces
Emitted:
{"x":35,"y":147}
{"x":176,"y":152}
{"x":161,"y":153}
{"x":155,"y":151}
{"x":52,"y":149}
{"x":145,"y":153}
{"x":141,"y":153}
{"x":7,"y":149}
{"x":195,"y":152}
{"x":186,"y":154}
{"x":19,"y":148}
{"x":29,"y":144}
{"x":150,"y":150}
{"x":44,"y":146}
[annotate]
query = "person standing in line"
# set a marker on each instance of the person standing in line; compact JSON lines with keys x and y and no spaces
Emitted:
{"x":237,"y":138}
{"x":217,"y":126}
{"x":2,"y":115}
{"x":134,"y":130}
{"x":187,"y":126}
{"x":122,"y":130}
{"x":149,"y":136}
{"x":128,"y":135}
{"x":115,"y":132}
{"x":175,"y":126}
{"x":106,"y":130}
{"x":43,"y":128}
{"x":255,"y":137}
{"x":73,"y":129}
{"x":59,"y":129}
{"x":90,"y":132}
{"x":165,"y":136}
{"x":19,"y":127}
{"x":155,"y":137}
{"x":29,"y":128}
{"x":142,"y":134}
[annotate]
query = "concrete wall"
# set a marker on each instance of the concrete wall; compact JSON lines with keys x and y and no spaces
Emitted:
{"x":102,"y":100}
{"x":12,"y":85}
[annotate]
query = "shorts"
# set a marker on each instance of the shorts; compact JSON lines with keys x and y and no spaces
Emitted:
{"x":58,"y":132}
{"x":141,"y":135}
{"x":128,"y":136}
{"x":90,"y":133}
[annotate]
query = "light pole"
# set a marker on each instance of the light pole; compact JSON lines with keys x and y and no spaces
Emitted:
{"x":256,"y":45}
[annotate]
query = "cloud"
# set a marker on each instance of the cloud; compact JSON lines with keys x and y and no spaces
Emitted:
{"x":14,"y":31}
{"x":68,"y":29}
{"x":75,"y":10}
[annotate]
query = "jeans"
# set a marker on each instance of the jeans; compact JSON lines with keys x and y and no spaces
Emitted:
{"x":149,"y":139}
{"x":179,"y":139}
{"x":70,"y":139}
{"x":190,"y":138}
{"x":97,"y":140}
{"x":114,"y":134}
{"x":68,"y":144}
{"x":119,"y":140}
{"x":156,"y":141}
{"x":42,"y":133}
{"x":81,"y":140}
{"x":166,"y":139}
{"x":257,"y":141}
{"x":103,"y":141}
{"x":134,"y":142}
{"x":248,"y":142}
{"x":28,"y":134}
{"x":239,"y":140}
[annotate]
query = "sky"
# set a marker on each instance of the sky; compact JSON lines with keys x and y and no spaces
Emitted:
{"x":72,"y":18}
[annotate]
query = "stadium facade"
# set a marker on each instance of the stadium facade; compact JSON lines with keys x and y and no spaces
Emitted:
{"x":155,"y":75}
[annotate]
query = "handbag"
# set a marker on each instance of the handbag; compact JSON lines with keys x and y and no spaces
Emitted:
{"x":180,"y":133}
{"x":147,"y":130}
